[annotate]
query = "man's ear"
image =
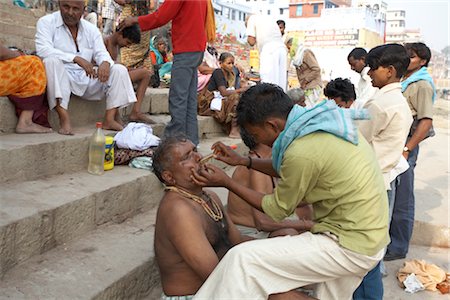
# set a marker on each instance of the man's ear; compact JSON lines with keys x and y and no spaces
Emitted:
{"x":168,"y":177}
{"x":273,"y":124}
{"x":423,"y":62}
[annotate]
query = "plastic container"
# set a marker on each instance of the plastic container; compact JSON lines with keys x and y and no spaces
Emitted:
{"x":97,"y":151}
{"x":109,"y":153}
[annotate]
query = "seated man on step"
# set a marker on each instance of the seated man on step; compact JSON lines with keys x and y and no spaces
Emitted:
{"x":252,"y":222}
{"x":129,"y":36}
{"x":192,"y":231}
{"x":68,"y":45}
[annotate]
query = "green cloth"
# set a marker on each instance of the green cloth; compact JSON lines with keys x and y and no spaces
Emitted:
{"x":344,"y":184}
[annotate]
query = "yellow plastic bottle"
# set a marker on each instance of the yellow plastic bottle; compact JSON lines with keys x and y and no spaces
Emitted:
{"x":109,"y":153}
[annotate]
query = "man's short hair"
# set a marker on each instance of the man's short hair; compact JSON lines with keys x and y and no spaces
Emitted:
{"x":133,"y":33}
{"x":262,"y":101}
{"x":357,"y":53}
{"x":162,"y":157}
{"x":389,"y":55}
{"x":340,"y":87}
{"x":421,"y":50}
{"x":281,"y":22}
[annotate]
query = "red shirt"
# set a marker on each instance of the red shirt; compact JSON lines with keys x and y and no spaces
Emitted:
{"x":188,"y":23}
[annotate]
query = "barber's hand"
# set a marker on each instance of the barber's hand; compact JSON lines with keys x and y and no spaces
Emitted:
{"x":103,"y":71}
{"x":87,"y":66}
{"x":210,"y":175}
{"x":227,"y":155}
{"x":130,"y":21}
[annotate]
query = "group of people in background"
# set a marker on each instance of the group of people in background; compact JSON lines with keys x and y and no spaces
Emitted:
{"x":329,"y":181}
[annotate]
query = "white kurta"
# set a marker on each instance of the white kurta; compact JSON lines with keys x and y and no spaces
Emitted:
{"x":55,"y":44}
{"x":272,"y":50}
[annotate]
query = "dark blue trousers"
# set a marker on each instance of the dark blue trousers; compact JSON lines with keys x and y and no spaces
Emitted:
{"x":371,"y":288}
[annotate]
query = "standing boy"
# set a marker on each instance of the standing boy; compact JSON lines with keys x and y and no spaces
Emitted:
{"x":386,"y":131}
{"x":365,"y":90}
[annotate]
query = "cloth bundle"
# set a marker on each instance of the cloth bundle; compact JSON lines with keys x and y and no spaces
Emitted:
{"x":136,"y":136}
{"x":429,"y":274}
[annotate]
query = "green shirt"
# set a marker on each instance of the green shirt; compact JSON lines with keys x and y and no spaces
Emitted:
{"x":344,"y":184}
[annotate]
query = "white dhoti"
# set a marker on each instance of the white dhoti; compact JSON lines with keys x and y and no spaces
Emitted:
{"x":256,"y":269}
{"x":63,"y":81}
{"x":272,"y":64}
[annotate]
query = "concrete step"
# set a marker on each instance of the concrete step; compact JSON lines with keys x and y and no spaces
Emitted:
{"x":31,"y":156}
{"x":38,"y":215}
{"x":115,"y":261}
{"x":84,"y":112}
{"x":432,"y":255}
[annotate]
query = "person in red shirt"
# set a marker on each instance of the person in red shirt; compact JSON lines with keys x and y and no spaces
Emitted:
{"x":190,"y":22}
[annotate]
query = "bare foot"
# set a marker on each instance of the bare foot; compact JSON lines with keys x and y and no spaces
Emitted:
{"x":65,"y":131}
{"x":32,"y":128}
{"x":141,"y":117}
{"x":112,"y":125}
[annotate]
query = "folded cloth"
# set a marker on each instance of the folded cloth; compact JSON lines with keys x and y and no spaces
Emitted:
{"x":123,"y":156}
{"x":136,"y":136}
{"x":429,"y":274}
{"x":142,"y":162}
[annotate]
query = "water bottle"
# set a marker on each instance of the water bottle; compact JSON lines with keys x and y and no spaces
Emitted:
{"x":97,"y":151}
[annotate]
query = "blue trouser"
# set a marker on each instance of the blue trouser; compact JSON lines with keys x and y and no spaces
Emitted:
{"x":403,"y":215}
{"x":371,"y":288}
{"x":183,"y":96}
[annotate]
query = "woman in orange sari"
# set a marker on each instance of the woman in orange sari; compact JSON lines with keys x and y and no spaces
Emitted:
{"x":23,"y":80}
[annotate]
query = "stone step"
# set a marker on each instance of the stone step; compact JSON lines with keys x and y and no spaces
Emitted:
{"x":31,"y":156}
{"x":84,"y":112}
{"x":115,"y":261}
{"x":38,"y":215}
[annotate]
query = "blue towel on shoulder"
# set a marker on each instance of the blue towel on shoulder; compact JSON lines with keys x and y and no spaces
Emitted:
{"x":421,"y":74}
{"x":325,"y":116}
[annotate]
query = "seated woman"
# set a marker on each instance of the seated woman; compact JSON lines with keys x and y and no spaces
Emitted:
{"x":23,"y":80}
{"x":222,"y":95}
{"x":160,"y":58}
{"x":207,"y":67}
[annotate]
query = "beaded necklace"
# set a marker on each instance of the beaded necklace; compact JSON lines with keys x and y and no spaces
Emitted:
{"x":215,"y":213}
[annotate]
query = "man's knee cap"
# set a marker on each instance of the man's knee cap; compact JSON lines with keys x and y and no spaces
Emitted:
{"x":52,"y":61}
{"x":119,"y":68}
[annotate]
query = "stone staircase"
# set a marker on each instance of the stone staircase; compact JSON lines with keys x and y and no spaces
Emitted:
{"x":66,"y":234}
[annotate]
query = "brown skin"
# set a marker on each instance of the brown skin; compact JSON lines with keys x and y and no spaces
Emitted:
{"x":185,"y":234}
{"x":243,"y":214}
{"x":25,"y":123}
{"x":342,"y":103}
{"x":139,"y":75}
{"x":71,"y":12}
{"x":357,"y":65}
{"x":424,"y":124}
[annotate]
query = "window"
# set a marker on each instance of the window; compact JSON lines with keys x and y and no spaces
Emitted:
{"x":316,"y":9}
{"x":299,"y":11}
{"x":268,"y":11}
{"x":281,"y":11}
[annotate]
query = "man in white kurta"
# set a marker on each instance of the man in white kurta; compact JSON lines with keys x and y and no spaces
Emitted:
{"x":68,"y":46}
{"x":265,"y":33}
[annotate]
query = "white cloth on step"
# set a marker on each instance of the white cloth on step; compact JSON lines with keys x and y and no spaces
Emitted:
{"x":136,"y":136}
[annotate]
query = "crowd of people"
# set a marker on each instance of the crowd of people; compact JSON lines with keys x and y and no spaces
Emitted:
{"x":326,"y":192}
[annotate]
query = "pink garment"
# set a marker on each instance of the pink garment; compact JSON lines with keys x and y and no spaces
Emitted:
{"x":203,"y":80}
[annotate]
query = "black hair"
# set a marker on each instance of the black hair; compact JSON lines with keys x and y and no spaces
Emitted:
{"x":340,"y":87}
{"x":389,"y":55}
{"x":281,"y":22}
{"x":162,"y":157}
{"x":357,"y":53}
{"x":421,"y":50}
{"x":224,"y":56}
{"x":133,"y":33}
{"x":247,"y":138}
{"x":262,"y":101}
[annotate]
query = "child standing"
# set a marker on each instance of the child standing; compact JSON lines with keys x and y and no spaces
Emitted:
{"x":386,"y":131}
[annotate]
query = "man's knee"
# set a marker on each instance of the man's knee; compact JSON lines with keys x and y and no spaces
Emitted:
{"x":118,"y":69}
{"x":52,"y":62}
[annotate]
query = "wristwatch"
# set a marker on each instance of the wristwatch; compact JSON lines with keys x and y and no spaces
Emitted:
{"x":406,"y":149}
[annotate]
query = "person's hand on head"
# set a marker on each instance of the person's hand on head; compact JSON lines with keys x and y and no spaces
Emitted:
{"x":87,"y":66}
{"x":227,"y":154}
{"x":210,"y":175}
{"x":103,"y":71}
{"x":130,"y":21}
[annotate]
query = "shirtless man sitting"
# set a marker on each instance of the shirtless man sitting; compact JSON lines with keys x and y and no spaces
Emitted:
{"x":141,"y":76}
{"x":252,"y":222}
{"x":192,"y":231}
